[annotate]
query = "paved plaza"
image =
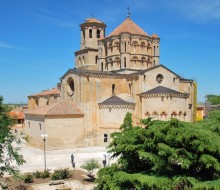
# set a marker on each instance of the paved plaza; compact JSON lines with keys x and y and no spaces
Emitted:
{"x":56,"y":159}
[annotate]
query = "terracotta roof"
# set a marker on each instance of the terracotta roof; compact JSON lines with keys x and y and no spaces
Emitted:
{"x":58,"y":108}
{"x":53,"y":91}
{"x":162,"y":90}
{"x":15,"y":114}
{"x":154,"y":35}
{"x":92,"y":20}
{"x":128,"y":26}
{"x":115,"y":100}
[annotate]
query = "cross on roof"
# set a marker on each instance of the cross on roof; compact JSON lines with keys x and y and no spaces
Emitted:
{"x":129,"y":13}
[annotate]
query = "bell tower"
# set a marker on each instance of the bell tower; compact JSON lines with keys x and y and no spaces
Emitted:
{"x":92,"y":30}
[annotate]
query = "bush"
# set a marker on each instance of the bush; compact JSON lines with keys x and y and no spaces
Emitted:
{"x":90,"y":166}
{"x":61,"y":174}
{"x":28,"y":178}
{"x":44,"y":174}
{"x":37,"y":174}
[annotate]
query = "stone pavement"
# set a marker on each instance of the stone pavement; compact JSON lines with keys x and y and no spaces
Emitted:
{"x":56,"y":159}
{"x":59,"y":158}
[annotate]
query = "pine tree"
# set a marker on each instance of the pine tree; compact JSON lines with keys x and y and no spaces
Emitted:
{"x":178,"y":154}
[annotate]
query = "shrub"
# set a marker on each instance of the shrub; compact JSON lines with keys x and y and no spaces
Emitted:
{"x":61,"y":174}
{"x":45,"y":174}
{"x":28,"y":178}
{"x":90,"y":166}
{"x":37,"y":174}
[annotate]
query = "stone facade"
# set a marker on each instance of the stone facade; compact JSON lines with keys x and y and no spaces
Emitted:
{"x":113,"y":75}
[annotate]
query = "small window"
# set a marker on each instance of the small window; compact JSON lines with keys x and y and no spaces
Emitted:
{"x":83,"y":34}
{"x":29,"y":124}
{"x":105,"y":137}
{"x":113,"y":89}
{"x":70,"y":86}
{"x":125,"y":62}
{"x":101,"y":66}
{"x":40,"y":125}
{"x":98,"y":33}
{"x":96,"y":59}
{"x":90,"y":33}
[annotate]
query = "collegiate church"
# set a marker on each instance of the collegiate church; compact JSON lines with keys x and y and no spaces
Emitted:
{"x":114,"y":74}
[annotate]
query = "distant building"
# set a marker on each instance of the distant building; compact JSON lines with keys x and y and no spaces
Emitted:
{"x":200,"y":112}
{"x":17,"y":115}
{"x":114,"y":74}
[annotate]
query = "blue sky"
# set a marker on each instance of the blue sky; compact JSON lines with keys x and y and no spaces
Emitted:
{"x":38,"y":39}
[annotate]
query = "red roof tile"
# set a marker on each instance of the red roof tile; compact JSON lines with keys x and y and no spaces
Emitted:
{"x":92,"y":20}
{"x":128,"y":26}
{"x":15,"y":114}
{"x":53,"y":91}
{"x":58,"y":108}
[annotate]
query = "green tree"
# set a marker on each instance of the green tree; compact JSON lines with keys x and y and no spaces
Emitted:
{"x":164,"y":155}
{"x":213,"y":99}
{"x":9,"y":154}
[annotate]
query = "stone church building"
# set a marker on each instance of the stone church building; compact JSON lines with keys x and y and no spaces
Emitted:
{"x":114,"y":74}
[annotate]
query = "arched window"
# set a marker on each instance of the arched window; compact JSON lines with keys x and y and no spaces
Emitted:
{"x":101,"y":66}
{"x":142,"y":45}
{"x":98,"y":32}
{"x":125,"y":46}
{"x":125,"y":62}
{"x":83,"y":60}
{"x":96,"y":59}
{"x":154,"y":51}
{"x":40,"y":126}
{"x":90,"y":33}
{"x":36,"y":101}
{"x":117,"y":45}
{"x":135,"y":45}
{"x":143,"y":60}
{"x":83,"y":34}
{"x":70,"y":86}
{"x":135,"y":59}
{"x":117,"y":60}
{"x":113,"y":89}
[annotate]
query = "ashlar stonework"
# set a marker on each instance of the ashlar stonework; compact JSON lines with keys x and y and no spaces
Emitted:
{"x":113,"y":75}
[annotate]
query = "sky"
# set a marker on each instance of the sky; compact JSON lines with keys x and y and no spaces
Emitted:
{"x":38,"y":39}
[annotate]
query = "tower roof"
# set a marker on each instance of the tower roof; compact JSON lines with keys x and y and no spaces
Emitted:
{"x":128,"y":26}
{"x":93,"y":21}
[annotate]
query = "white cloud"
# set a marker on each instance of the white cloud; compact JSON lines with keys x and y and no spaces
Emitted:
{"x":6,"y":45}
{"x":198,"y":10}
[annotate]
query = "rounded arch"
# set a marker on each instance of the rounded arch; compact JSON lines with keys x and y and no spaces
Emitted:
{"x":90,"y":33}
{"x":163,"y":113}
{"x":70,"y":86}
{"x":98,"y":33}
{"x":134,"y":43}
{"x":135,"y":58}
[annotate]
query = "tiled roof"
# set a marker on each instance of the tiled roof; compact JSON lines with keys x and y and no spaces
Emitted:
{"x":92,"y":20}
{"x":16,"y":114}
{"x":53,"y":91}
{"x":115,"y":100}
{"x":128,"y":26}
{"x":162,"y":90}
{"x":58,"y":108}
{"x":154,"y":35}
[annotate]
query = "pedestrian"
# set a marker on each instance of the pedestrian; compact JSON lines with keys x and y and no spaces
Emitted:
{"x":72,"y":161}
